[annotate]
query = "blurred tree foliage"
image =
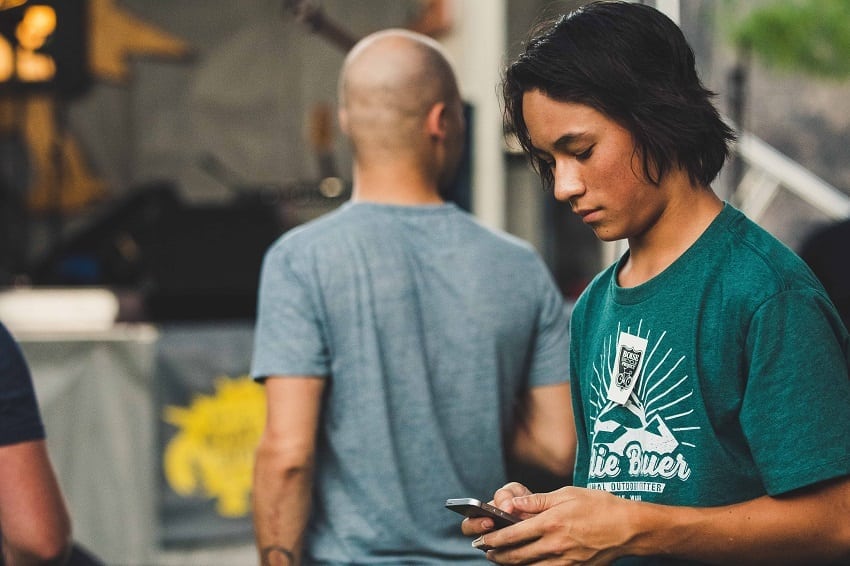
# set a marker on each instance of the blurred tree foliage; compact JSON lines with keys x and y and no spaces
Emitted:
{"x":809,"y":36}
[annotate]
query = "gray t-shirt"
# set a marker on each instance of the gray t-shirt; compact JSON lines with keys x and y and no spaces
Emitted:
{"x":429,"y":327}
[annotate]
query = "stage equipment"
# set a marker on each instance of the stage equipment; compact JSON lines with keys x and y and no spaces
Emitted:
{"x":186,"y":261}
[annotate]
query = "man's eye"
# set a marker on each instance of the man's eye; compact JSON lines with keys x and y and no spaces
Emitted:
{"x":585,"y":154}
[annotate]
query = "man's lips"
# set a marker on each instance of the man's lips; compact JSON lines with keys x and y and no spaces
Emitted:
{"x":588,"y":214}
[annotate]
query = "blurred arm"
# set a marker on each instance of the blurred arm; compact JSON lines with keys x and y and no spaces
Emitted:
{"x":34,"y":520}
{"x":283,"y":470}
{"x":545,"y":434}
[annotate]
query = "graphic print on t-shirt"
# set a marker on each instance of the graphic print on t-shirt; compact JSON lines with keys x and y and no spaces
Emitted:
{"x":639,"y":447}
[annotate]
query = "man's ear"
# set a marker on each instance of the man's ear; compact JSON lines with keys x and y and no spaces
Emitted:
{"x":435,"y":122}
{"x":342,"y":116}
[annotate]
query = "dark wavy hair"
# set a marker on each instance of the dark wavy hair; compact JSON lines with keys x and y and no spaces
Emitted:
{"x":633,"y":64}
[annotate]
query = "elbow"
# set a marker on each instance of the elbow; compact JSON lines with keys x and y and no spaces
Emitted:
{"x":283,"y":463}
{"x":56,"y":552}
{"x":43,"y":549}
{"x":836,"y":497}
{"x":54,"y":547}
{"x":295,"y":471}
{"x":566,"y":464}
{"x":560,"y":461}
{"x":556,"y":458}
{"x":842,"y":543}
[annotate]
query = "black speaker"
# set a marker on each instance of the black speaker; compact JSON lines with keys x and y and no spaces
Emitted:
{"x":186,"y":261}
{"x":112,"y":248}
{"x":206,"y":260}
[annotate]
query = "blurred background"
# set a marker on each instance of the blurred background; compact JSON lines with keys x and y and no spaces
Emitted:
{"x":150,"y":151}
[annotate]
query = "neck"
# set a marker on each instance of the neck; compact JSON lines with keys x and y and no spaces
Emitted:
{"x":401,"y":186}
{"x":677,"y":228}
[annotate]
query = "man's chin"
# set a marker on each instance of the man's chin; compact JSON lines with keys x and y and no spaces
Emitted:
{"x":605,"y":234}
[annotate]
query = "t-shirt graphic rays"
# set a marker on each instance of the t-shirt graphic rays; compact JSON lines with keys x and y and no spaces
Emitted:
{"x":640,"y":446}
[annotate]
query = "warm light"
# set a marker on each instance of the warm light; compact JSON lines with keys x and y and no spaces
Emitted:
{"x":7,"y":4}
{"x":7,"y":64}
{"x":35,"y":67}
{"x":38,"y":23}
{"x":331,"y":187}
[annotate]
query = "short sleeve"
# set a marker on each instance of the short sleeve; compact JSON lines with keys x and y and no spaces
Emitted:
{"x":551,"y":360}
{"x":288,"y":336}
{"x":20,"y":420}
{"x":796,"y":409}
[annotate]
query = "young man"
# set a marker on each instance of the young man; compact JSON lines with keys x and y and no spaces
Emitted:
{"x":709,"y":370}
{"x":405,"y":349}
{"x":34,"y":521}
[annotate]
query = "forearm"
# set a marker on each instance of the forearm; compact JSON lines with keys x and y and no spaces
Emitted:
{"x":283,"y":469}
{"x":281,"y":500}
{"x":544,"y":434}
{"x":803,"y":528}
{"x":34,"y":519}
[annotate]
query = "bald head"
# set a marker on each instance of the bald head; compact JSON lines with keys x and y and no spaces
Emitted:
{"x":389,"y":82}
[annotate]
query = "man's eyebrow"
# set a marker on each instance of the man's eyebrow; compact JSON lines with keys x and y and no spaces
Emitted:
{"x":563,"y":143}
{"x":567,"y":140}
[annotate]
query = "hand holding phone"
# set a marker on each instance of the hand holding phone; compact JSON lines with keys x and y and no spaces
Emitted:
{"x":469,"y":507}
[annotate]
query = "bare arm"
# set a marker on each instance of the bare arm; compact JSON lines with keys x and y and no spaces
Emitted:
{"x":34,"y":520}
{"x":595,"y":527}
{"x":283,"y":470}
{"x":798,"y":528}
{"x":545,"y":434}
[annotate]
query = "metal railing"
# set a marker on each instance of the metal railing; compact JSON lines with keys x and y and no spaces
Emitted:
{"x":768,"y":172}
{"x":765,"y":172}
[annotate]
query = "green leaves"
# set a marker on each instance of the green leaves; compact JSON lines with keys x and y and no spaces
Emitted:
{"x":810,"y":36}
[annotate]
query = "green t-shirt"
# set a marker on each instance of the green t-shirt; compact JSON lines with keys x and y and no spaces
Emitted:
{"x":739,"y":368}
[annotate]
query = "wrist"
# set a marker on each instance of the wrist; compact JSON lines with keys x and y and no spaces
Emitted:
{"x":650,"y":529}
{"x":277,"y":556}
{"x":661,"y":530}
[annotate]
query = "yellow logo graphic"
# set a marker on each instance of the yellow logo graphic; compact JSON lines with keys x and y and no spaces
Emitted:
{"x":214,"y":449}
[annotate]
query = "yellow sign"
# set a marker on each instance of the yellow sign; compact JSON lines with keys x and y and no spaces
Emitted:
{"x":214,"y":450}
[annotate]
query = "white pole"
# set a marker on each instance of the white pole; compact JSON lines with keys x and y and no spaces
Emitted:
{"x":671,"y":8}
{"x":477,"y":46}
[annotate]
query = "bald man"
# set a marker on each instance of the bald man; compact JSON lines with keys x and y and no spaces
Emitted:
{"x":406,"y":350}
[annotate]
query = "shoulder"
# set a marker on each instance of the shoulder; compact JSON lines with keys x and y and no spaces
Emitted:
{"x":314,"y":234}
{"x":763,"y":263}
{"x":499,"y":241}
{"x":13,"y":368}
{"x":515,"y":247}
{"x":758,"y":277}
{"x":20,"y":419}
{"x":320,"y":228}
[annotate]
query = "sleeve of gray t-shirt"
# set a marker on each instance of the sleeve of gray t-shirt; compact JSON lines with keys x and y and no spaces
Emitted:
{"x":288,"y":336}
{"x":550,"y":362}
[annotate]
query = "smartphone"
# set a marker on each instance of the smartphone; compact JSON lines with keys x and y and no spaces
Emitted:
{"x":469,"y":507}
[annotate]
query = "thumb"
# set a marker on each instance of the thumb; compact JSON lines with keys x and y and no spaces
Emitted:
{"x":533,"y":504}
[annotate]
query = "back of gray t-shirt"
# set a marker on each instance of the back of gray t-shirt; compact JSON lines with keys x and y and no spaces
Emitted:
{"x":429,"y":327}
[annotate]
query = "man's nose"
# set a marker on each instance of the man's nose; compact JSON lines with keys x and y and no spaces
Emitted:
{"x":567,"y":181}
